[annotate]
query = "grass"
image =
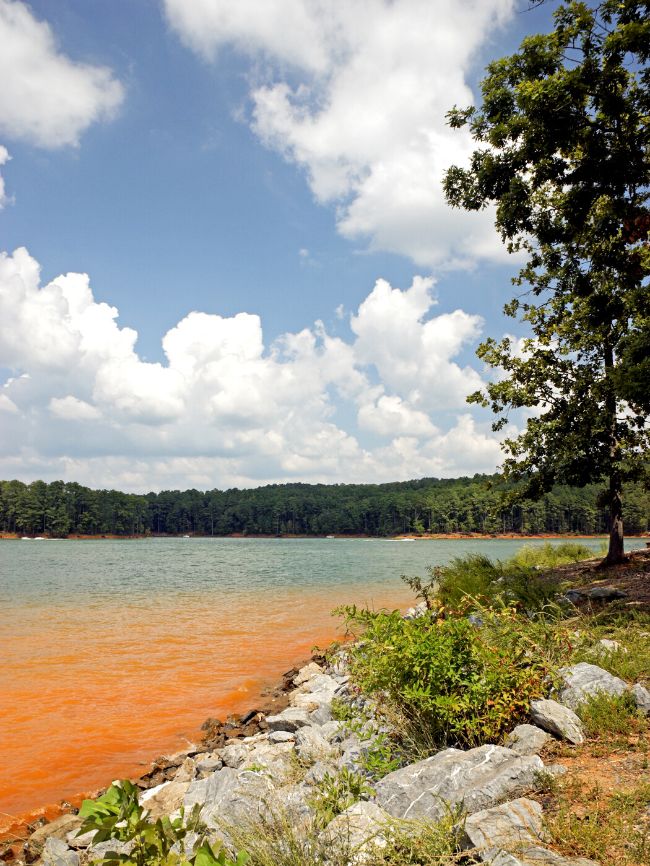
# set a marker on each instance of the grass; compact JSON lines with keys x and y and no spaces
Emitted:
{"x":612,"y":828}
{"x":604,"y":716}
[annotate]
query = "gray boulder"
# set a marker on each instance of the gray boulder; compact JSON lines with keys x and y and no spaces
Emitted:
{"x":164,"y":799}
{"x":288,"y":720}
{"x":537,"y":856}
{"x":527,"y":740}
{"x":318,"y":771}
{"x":476,"y":779}
{"x":59,"y":828}
{"x":584,"y":680}
{"x":308,"y":672}
{"x":230,"y":797}
{"x":641,"y":697}
{"x":57,"y":853}
{"x":512,"y":826}
{"x":558,"y":720}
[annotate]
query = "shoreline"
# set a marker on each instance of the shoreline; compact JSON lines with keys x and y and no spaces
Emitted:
{"x":438,"y":536}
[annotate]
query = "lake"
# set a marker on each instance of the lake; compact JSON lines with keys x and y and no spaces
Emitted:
{"x":117,"y":651}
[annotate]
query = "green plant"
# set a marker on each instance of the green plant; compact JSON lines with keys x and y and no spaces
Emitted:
{"x":342,"y":711}
{"x":415,"y":843}
{"x":604,"y":715}
{"x":462,"y":684}
{"x":381,"y":757}
{"x":336,"y":793}
{"x":119,"y":815}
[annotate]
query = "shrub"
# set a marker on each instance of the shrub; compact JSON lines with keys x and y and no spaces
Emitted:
{"x":461,"y":683}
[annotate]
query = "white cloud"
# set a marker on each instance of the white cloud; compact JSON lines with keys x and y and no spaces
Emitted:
{"x":46,"y":98}
{"x":356,"y":94}
{"x":4,"y":158}
{"x":225,"y":408}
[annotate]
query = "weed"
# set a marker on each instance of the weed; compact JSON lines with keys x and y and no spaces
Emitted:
{"x":342,"y":711}
{"x":336,"y":793}
{"x":119,"y":815}
{"x":604,"y":716}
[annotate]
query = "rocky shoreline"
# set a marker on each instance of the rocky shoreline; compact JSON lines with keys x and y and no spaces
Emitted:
{"x":273,"y":758}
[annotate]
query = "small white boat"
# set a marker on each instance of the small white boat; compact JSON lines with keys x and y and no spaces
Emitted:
{"x":38,"y":538}
{"x":330,"y":536}
{"x":186,"y":536}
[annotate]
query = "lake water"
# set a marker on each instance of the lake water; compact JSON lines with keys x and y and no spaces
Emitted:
{"x":116,"y":651}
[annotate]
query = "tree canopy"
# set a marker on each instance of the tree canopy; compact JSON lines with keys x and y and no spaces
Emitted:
{"x":563,"y":134}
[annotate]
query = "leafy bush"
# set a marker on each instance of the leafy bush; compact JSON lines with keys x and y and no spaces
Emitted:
{"x":119,"y":815}
{"x":461,"y":683}
{"x":551,"y":555}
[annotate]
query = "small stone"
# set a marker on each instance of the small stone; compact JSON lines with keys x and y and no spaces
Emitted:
{"x":306,"y":673}
{"x":557,"y":719}
{"x":311,"y":746}
{"x":318,"y":771}
{"x":527,"y":740}
{"x":281,"y":737}
{"x":209,"y":764}
{"x":641,"y":697}
{"x":186,"y":772}
{"x":234,"y":755}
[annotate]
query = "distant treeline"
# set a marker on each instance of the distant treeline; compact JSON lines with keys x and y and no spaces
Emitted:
{"x":428,"y":505}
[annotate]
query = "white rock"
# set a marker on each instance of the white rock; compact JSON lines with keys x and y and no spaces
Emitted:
{"x":584,"y":680}
{"x":306,"y":673}
{"x":511,"y":826}
{"x":558,"y":720}
{"x":527,"y":740}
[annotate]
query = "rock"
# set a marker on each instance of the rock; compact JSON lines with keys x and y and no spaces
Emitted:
{"x":555,"y":770}
{"x":537,"y":856}
{"x":186,"y":772}
{"x":321,"y":715}
{"x":333,"y":731}
{"x":234,"y":755}
{"x":306,"y":673}
{"x":558,"y":720}
{"x":605,"y":645}
{"x":573,"y":596}
{"x":209,"y":764}
{"x":288,"y":720}
{"x":527,"y":740}
{"x":281,"y":737}
{"x":584,"y":680}
{"x":478,"y":779}
{"x":292,"y":804}
{"x":57,"y":853}
{"x":164,"y":799}
{"x":311,"y":746}
{"x":75,"y":840}
{"x":605,"y":593}
{"x":229,"y":797}
{"x":101,"y":849}
{"x":511,"y":826}
{"x":641,"y":697}
{"x":358,"y":831}
{"x":317,"y":772}
{"x":59,"y":828}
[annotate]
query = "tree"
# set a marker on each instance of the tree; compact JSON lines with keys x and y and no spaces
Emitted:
{"x":564,"y":132}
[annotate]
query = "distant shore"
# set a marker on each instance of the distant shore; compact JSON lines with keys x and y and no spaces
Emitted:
{"x":438,"y":536}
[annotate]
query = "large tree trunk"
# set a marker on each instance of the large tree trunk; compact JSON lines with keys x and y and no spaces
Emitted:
{"x":615,"y":553}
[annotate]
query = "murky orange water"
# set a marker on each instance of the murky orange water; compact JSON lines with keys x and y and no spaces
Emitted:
{"x":94,"y":691}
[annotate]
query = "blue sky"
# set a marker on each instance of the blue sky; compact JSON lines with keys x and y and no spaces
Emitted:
{"x":255,"y":187}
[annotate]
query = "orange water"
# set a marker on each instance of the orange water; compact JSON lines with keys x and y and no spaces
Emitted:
{"x":94,"y":691}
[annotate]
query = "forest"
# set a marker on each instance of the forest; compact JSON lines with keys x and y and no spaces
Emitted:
{"x":428,"y":505}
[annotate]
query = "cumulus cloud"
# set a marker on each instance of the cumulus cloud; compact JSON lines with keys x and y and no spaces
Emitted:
{"x":226,"y":408}
{"x":46,"y":98}
{"x":356,"y":94}
{"x":4,"y":158}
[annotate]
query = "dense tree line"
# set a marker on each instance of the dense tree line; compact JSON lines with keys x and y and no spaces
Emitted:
{"x":428,"y":505}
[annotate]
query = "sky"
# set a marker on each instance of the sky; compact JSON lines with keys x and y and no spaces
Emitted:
{"x":225,"y":254}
